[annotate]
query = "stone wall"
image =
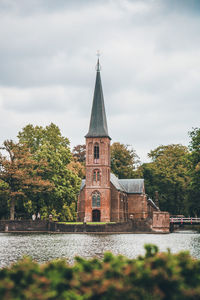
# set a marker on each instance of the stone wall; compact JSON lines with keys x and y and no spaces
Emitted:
{"x":25,"y":225}
{"x":138,"y":225}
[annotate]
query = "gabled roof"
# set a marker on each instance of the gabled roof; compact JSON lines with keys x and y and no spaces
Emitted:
{"x":132,"y":186}
{"x":115,"y":181}
{"x":129,"y":186}
{"x":98,"y":122}
{"x":151,"y":202}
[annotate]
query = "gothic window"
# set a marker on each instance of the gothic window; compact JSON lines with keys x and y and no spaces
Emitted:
{"x":96,"y":199}
{"x":96,"y":175}
{"x":96,"y":151}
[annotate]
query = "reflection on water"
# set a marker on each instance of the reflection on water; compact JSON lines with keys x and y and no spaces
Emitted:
{"x":43,"y":247}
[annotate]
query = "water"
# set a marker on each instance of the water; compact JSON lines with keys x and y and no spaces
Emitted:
{"x":44,"y":247}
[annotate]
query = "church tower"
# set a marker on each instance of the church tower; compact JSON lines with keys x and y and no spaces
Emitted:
{"x":97,"y":182}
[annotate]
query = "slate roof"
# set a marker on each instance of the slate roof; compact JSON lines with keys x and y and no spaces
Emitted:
{"x":132,"y":186}
{"x":98,"y":123}
{"x":153,"y":204}
{"x":115,"y":181}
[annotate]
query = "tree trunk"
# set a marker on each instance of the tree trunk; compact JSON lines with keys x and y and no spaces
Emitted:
{"x":12,"y":209}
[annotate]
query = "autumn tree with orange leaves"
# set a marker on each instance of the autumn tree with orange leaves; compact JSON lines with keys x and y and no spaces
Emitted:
{"x":21,"y":174}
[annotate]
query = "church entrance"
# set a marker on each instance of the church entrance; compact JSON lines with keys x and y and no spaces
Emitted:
{"x":96,"y":215}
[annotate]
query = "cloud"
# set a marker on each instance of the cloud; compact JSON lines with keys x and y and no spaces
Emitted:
{"x":150,"y":67}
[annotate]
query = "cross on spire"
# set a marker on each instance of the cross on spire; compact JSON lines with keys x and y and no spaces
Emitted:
{"x":98,"y":67}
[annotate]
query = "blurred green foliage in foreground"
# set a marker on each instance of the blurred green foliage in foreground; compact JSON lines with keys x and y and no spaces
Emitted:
{"x":153,"y":276}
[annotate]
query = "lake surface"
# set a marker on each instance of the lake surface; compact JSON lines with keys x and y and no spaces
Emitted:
{"x":44,"y":247}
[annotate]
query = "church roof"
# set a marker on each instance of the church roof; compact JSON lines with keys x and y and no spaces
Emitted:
{"x":132,"y":186}
{"x":129,"y":186}
{"x":151,"y":202}
{"x":98,"y":122}
{"x":115,"y":181}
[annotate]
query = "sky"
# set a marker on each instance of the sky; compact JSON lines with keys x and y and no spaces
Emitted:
{"x":150,"y":68}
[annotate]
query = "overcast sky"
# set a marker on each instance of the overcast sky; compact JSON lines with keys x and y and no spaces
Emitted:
{"x":150,"y":68}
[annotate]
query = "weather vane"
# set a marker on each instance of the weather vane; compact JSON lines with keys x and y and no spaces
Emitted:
{"x":98,"y":67}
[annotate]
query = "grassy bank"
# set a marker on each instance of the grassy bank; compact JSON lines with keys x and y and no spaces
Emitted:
{"x":88,"y":223}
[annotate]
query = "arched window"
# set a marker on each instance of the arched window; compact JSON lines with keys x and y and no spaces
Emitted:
{"x":96,"y":199}
{"x":96,"y":175}
{"x":96,"y":151}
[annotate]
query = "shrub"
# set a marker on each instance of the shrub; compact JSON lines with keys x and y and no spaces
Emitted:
{"x":153,"y":276}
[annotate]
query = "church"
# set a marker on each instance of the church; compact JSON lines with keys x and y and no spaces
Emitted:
{"x":103,"y":197}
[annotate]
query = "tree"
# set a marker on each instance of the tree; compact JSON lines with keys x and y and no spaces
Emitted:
{"x":4,"y":212}
{"x":168,"y":174}
{"x":194,"y":172}
{"x":35,"y":137}
{"x":21,"y":174}
{"x":79,"y":152}
{"x":49,"y":144}
{"x":124,"y":160}
{"x":77,"y":168}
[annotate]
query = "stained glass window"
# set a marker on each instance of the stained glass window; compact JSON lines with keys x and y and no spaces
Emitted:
{"x":96,"y":199}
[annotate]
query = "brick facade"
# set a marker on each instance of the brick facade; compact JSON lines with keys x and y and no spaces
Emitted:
{"x":97,"y":180}
{"x":137,"y":206}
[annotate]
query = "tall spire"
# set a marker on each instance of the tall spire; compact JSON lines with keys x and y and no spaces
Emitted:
{"x":98,"y":122}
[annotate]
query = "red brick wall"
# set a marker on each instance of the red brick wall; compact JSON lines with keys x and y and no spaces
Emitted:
{"x":105,"y":204}
{"x":137,"y":206}
{"x":114,"y":204}
{"x":160,"y":221}
{"x":81,"y":206}
{"x":103,"y":186}
{"x":119,"y":206}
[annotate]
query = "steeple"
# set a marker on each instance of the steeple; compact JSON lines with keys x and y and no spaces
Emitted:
{"x":98,"y":122}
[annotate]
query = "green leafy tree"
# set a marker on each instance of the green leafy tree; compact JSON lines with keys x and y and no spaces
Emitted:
{"x":194,"y":187}
{"x":35,"y":137}
{"x":49,"y":144}
{"x":168,"y":174}
{"x":124,"y":160}
{"x":21,"y":175}
{"x":77,"y":167}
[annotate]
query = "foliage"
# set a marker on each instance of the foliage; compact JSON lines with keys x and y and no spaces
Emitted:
{"x":77,"y":168}
{"x":35,"y":137}
{"x":153,"y":276}
{"x":123,"y":160}
{"x":168,"y":174}
{"x":39,"y":174}
{"x":21,"y":174}
{"x":4,"y":210}
{"x":62,"y":171}
{"x":194,"y":172}
{"x":79,"y":152}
